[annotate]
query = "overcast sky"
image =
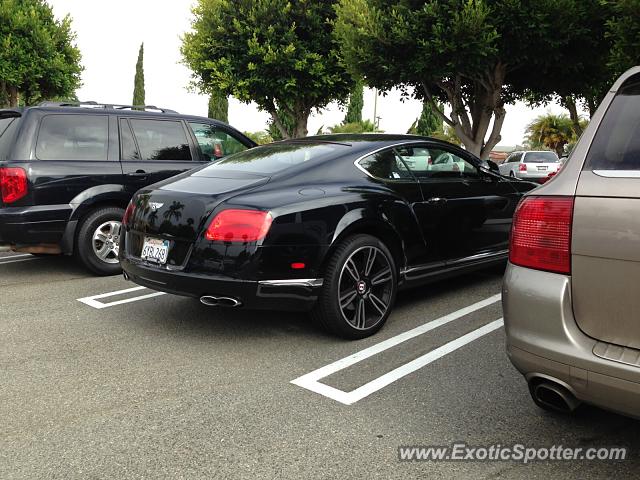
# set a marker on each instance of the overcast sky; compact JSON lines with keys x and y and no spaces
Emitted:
{"x":110,"y":33}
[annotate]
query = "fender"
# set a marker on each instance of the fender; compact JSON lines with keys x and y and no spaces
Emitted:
{"x":84,"y":202}
{"x":393,"y":220}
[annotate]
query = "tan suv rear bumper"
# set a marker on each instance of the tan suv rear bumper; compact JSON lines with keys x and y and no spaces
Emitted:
{"x":544,"y":341}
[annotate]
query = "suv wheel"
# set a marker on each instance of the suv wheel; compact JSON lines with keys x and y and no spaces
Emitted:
{"x":359,"y":289}
{"x":99,"y":241}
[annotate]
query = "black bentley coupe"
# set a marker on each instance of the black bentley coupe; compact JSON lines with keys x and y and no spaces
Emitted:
{"x":335,"y":224}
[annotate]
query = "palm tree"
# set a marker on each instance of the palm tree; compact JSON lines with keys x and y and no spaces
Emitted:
{"x":551,"y":131}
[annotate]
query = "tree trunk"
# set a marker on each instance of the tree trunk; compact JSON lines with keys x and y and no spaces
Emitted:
{"x":277,"y":121}
{"x":592,"y":104}
{"x":13,"y":96}
{"x":301,"y":124}
{"x":471,"y":115}
{"x":570,"y":104}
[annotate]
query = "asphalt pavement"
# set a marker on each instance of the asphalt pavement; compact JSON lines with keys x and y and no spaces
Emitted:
{"x":102,"y":379}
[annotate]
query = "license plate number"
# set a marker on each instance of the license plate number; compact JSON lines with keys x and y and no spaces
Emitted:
{"x":155,"y":250}
{"x":542,"y":169}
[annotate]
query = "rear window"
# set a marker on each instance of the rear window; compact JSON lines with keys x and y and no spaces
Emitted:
{"x":73,"y":137}
{"x":616,"y":145}
{"x":270,"y":159}
{"x":8,"y":128}
{"x":541,"y":157}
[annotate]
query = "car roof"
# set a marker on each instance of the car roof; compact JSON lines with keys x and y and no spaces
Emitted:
{"x":78,"y":110}
{"x":366,"y":141}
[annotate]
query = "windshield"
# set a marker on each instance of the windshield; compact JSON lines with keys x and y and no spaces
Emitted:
{"x":270,"y":159}
{"x":541,"y":157}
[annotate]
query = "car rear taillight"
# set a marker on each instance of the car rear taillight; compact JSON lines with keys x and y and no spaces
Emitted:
{"x":541,"y":234}
{"x":128,"y":213}
{"x":13,"y":184}
{"x":239,"y":226}
{"x":523,"y":167}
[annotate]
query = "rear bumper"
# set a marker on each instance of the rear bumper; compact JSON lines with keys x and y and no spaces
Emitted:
{"x":544,"y":341}
{"x":534,"y":177}
{"x":33,"y":225}
{"x":286,"y":295}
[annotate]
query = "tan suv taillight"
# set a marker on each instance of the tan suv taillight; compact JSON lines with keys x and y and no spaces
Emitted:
{"x":541,"y":234}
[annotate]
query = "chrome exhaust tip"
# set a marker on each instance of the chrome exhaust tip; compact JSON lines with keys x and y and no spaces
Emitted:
{"x":212,"y":301}
{"x":125,"y":275}
{"x":554,"y":396}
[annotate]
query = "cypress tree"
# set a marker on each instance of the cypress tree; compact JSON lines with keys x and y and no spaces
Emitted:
{"x":218,"y":107}
{"x":356,"y":102}
{"x":138,"y":85}
{"x":429,"y":123}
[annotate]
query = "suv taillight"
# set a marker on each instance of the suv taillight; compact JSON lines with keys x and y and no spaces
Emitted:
{"x":523,"y":167}
{"x":13,"y":184}
{"x":541,"y":234}
{"x":239,"y":226}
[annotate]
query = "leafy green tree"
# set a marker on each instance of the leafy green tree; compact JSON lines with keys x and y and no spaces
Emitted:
{"x":261,"y":138}
{"x":38,"y":56}
{"x":138,"y":82}
{"x":446,"y":133}
{"x":429,"y":122}
{"x":363,"y":126}
{"x":624,"y":32}
{"x":356,"y":104}
{"x":476,"y":55}
{"x":277,"y":53}
{"x":552,"y":132}
{"x":218,"y":107}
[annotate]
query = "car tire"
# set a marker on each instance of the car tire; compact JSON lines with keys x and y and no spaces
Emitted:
{"x":511,"y":174}
{"x":359,"y":288}
{"x":98,"y":240}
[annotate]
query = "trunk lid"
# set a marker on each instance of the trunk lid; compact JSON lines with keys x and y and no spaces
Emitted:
{"x":179,"y":208}
{"x":606,"y":227}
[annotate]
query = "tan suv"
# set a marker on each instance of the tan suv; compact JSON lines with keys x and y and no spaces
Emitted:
{"x":571,"y":293}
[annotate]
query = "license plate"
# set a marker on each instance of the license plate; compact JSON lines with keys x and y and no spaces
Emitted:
{"x":542,"y":169}
{"x":155,"y":250}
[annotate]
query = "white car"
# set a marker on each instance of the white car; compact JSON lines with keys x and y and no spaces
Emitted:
{"x":531,"y":165}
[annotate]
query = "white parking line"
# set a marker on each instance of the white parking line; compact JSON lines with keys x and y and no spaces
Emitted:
{"x":93,"y":300}
{"x":310,"y":381}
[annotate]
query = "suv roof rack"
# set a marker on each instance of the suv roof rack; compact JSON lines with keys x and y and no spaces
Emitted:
{"x":112,"y":106}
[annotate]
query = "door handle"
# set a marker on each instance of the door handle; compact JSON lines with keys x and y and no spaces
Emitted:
{"x":437,"y":201}
{"x":138,"y":173}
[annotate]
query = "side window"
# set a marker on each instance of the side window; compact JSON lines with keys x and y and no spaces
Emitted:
{"x":161,"y":139}
{"x":128,"y":148}
{"x":73,"y":137}
{"x":8,"y":128}
{"x":436,"y":163}
{"x":215,"y":143}
{"x":616,"y":145}
{"x":386,"y":165}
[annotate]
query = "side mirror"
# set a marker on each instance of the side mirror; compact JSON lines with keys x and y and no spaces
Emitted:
{"x":493,"y":166}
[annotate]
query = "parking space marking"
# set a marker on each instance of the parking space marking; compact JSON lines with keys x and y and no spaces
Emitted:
{"x":93,"y":301}
{"x":311,"y":381}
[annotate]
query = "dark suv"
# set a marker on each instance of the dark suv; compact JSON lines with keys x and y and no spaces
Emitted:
{"x":67,"y":171}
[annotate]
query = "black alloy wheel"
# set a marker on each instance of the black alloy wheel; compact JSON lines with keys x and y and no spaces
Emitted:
{"x":359,"y":288}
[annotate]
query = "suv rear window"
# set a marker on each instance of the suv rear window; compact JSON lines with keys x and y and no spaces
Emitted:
{"x":8,"y":128}
{"x":73,"y":137}
{"x":616,"y":145}
{"x":541,"y":157}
